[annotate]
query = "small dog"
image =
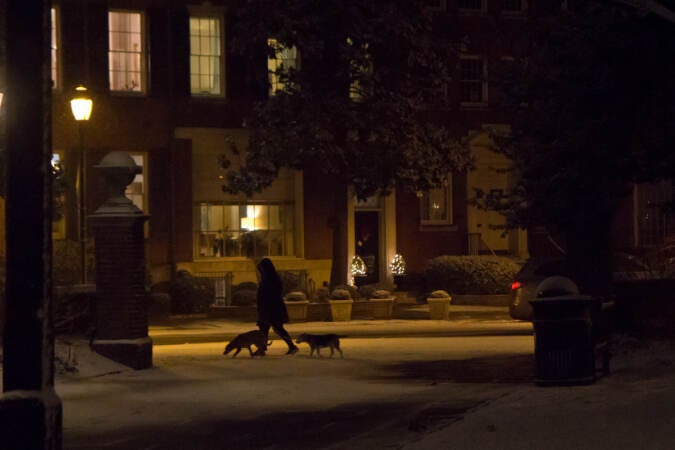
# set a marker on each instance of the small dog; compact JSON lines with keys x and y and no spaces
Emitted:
{"x":246,"y":340}
{"x":318,"y":341}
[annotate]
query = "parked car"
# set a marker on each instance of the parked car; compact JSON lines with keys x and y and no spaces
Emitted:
{"x":524,"y":286}
{"x":625,"y":267}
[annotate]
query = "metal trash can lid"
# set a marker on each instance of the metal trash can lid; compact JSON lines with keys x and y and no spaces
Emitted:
{"x":557,"y":286}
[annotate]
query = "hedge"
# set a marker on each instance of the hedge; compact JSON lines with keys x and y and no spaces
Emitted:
{"x":471,"y":274}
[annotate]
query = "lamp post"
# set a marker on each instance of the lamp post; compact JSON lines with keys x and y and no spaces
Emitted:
{"x":81,"y":106}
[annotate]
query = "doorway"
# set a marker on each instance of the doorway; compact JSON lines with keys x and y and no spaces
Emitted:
{"x":367,"y":243}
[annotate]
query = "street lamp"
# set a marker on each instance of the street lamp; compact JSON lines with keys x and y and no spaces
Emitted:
{"x":81,"y":106}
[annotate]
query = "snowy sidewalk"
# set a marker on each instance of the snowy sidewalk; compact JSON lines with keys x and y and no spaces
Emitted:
{"x":464,"y":321}
{"x":630,"y":409}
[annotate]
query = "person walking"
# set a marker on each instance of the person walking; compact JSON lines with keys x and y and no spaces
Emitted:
{"x":271,"y":308}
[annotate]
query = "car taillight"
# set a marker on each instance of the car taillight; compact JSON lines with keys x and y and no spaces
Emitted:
{"x":515,"y":285}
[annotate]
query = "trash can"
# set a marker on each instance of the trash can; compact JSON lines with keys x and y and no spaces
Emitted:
{"x":563,"y":334}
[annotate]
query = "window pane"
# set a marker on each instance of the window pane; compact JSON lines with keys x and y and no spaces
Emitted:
{"x":284,"y":59}
{"x":54,"y":49}
{"x":205,"y":56}
{"x":125,"y":43}
{"x":436,"y":206}
{"x":472,"y":80}
{"x":136,"y":190}
{"x":252,"y":230}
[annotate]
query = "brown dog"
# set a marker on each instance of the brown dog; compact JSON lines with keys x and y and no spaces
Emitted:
{"x":246,"y":340}
{"x":318,"y":341}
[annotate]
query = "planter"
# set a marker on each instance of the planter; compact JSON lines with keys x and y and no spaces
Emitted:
{"x":297,"y":310}
{"x":439,"y":308}
{"x":341,"y":310}
{"x":381,"y":308}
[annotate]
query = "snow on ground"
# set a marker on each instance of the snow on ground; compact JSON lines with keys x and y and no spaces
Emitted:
{"x":195,"y":381}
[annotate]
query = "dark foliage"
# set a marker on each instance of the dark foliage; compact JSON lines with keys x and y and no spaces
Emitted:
{"x":593,"y":111}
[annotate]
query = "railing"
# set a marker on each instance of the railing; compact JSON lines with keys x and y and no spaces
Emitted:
{"x":222,"y":286}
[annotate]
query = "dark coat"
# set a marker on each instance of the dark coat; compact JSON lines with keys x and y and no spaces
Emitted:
{"x":271,"y":306}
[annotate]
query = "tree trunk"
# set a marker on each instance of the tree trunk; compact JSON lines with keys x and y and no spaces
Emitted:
{"x":590,"y":252}
{"x":338,"y":222}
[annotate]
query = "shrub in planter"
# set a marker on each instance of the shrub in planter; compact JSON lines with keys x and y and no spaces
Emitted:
{"x":340,"y":305}
{"x":296,"y":305}
{"x":471,"y":274}
{"x":439,"y":303}
{"x":367,"y":290}
{"x":340,"y":294}
{"x":380,"y":293}
{"x":353,"y":290}
{"x":439,"y":294}
{"x":295,"y":296}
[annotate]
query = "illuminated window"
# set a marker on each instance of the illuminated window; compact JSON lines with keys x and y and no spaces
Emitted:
{"x":55,"y":48}
{"x":473,"y":80}
{"x":278,"y":67}
{"x":249,"y":230}
{"x":126,"y":55}
{"x":436,"y":205}
{"x":206,"y":62}
{"x":136,"y":191}
{"x":472,"y":5}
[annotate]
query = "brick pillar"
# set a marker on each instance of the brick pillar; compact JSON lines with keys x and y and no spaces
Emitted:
{"x":121,"y":301}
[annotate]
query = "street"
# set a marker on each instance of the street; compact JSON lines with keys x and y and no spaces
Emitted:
{"x":386,"y":392}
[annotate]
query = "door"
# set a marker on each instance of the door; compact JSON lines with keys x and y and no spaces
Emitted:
{"x":366,"y":239}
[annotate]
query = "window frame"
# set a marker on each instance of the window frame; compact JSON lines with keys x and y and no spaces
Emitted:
{"x":449,"y":220}
{"x":484,"y":81}
{"x":55,"y":47}
{"x":143,"y":71}
{"x":210,"y":237}
{"x":274,"y":80}
{"x":218,"y":15}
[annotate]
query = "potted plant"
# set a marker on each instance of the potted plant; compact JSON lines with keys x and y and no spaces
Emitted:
{"x":340,"y":305}
{"x":439,"y":305}
{"x":381,"y":304}
{"x":296,"y":305}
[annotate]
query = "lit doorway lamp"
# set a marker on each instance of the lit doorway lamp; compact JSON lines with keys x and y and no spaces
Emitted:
{"x":81,"y":106}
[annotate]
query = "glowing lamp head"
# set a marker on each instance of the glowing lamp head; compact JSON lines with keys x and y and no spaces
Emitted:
{"x":81,"y":104}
